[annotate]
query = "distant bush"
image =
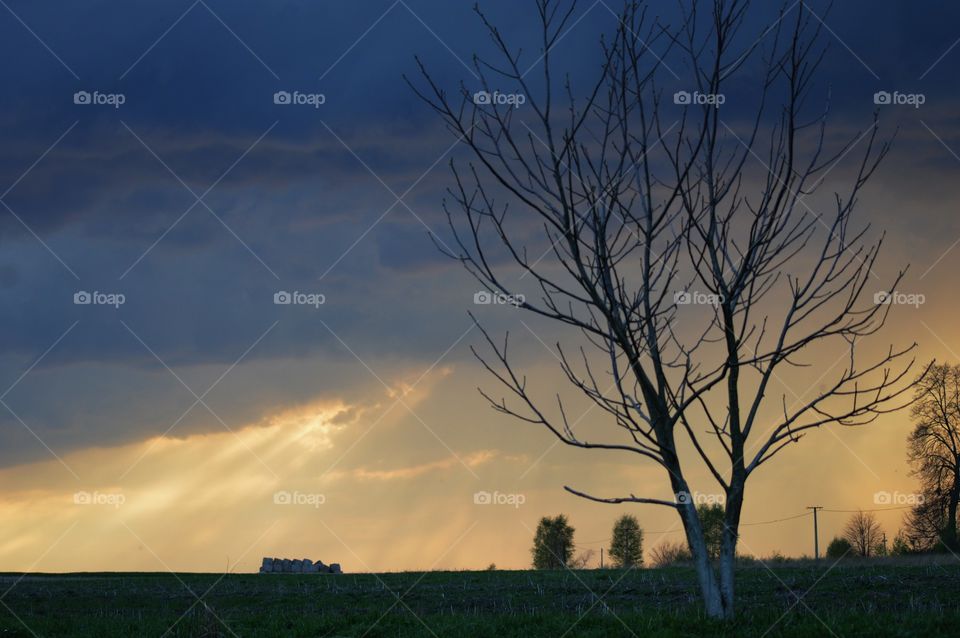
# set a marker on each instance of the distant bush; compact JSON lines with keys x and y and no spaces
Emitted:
{"x":839,"y":547}
{"x":670,"y":553}
{"x":747,"y":559}
{"x":675,"y":553}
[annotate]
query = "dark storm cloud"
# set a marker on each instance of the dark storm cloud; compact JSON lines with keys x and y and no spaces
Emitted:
{"x":301,"y":208}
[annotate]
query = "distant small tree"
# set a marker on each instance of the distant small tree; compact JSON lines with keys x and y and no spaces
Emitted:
{"x":626,"y":546}
{"x":865,"y":535}
{"x":901,"y":545}
{"x":711,"y":517}
{"x":839,"y":547}
{"x":553,"y":543}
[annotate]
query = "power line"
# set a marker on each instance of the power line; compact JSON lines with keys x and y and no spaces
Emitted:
{"x":777,"y":520}
{"x":770,"y":522}
{"x":677,"y":529}
{"x":877,"y":509}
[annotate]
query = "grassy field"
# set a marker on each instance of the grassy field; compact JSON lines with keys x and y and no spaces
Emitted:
{"x":852,"y":599}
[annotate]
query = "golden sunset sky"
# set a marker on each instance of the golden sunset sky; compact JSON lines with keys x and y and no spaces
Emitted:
{"x":199,"y":426}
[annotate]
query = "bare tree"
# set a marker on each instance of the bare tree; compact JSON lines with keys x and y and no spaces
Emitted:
{"x":583,"y":559}
{"x":933,"y":450}
{"x":864,"y":534}
{"x":639,"y":201}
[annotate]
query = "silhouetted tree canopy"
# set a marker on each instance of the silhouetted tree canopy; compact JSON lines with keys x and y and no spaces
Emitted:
{"x":865,"y":535}
{"x":839,"y":547}
{"x":553,"y":543}
{"x":712,"y":519}
{"x":933,"y":451}
{"x":626,"y":547}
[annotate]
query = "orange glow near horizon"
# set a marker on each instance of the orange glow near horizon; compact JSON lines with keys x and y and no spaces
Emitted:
{"x":376,"y":488}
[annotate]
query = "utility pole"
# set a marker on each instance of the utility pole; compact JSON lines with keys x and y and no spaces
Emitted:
{"x":816,"y":535}
{"x":601,"y":558}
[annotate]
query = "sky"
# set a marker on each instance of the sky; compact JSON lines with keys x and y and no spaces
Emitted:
{"x":185,"y":421}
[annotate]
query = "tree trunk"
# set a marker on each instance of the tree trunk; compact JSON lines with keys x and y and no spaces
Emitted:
{"x":696,"y":541}
{"x":950,"y":529}
{"x":707,"y":579}
{"x":728,"y":547}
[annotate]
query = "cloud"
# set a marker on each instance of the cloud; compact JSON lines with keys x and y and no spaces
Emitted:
{"x":472,"y":460}
{"x":312,"y":208}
